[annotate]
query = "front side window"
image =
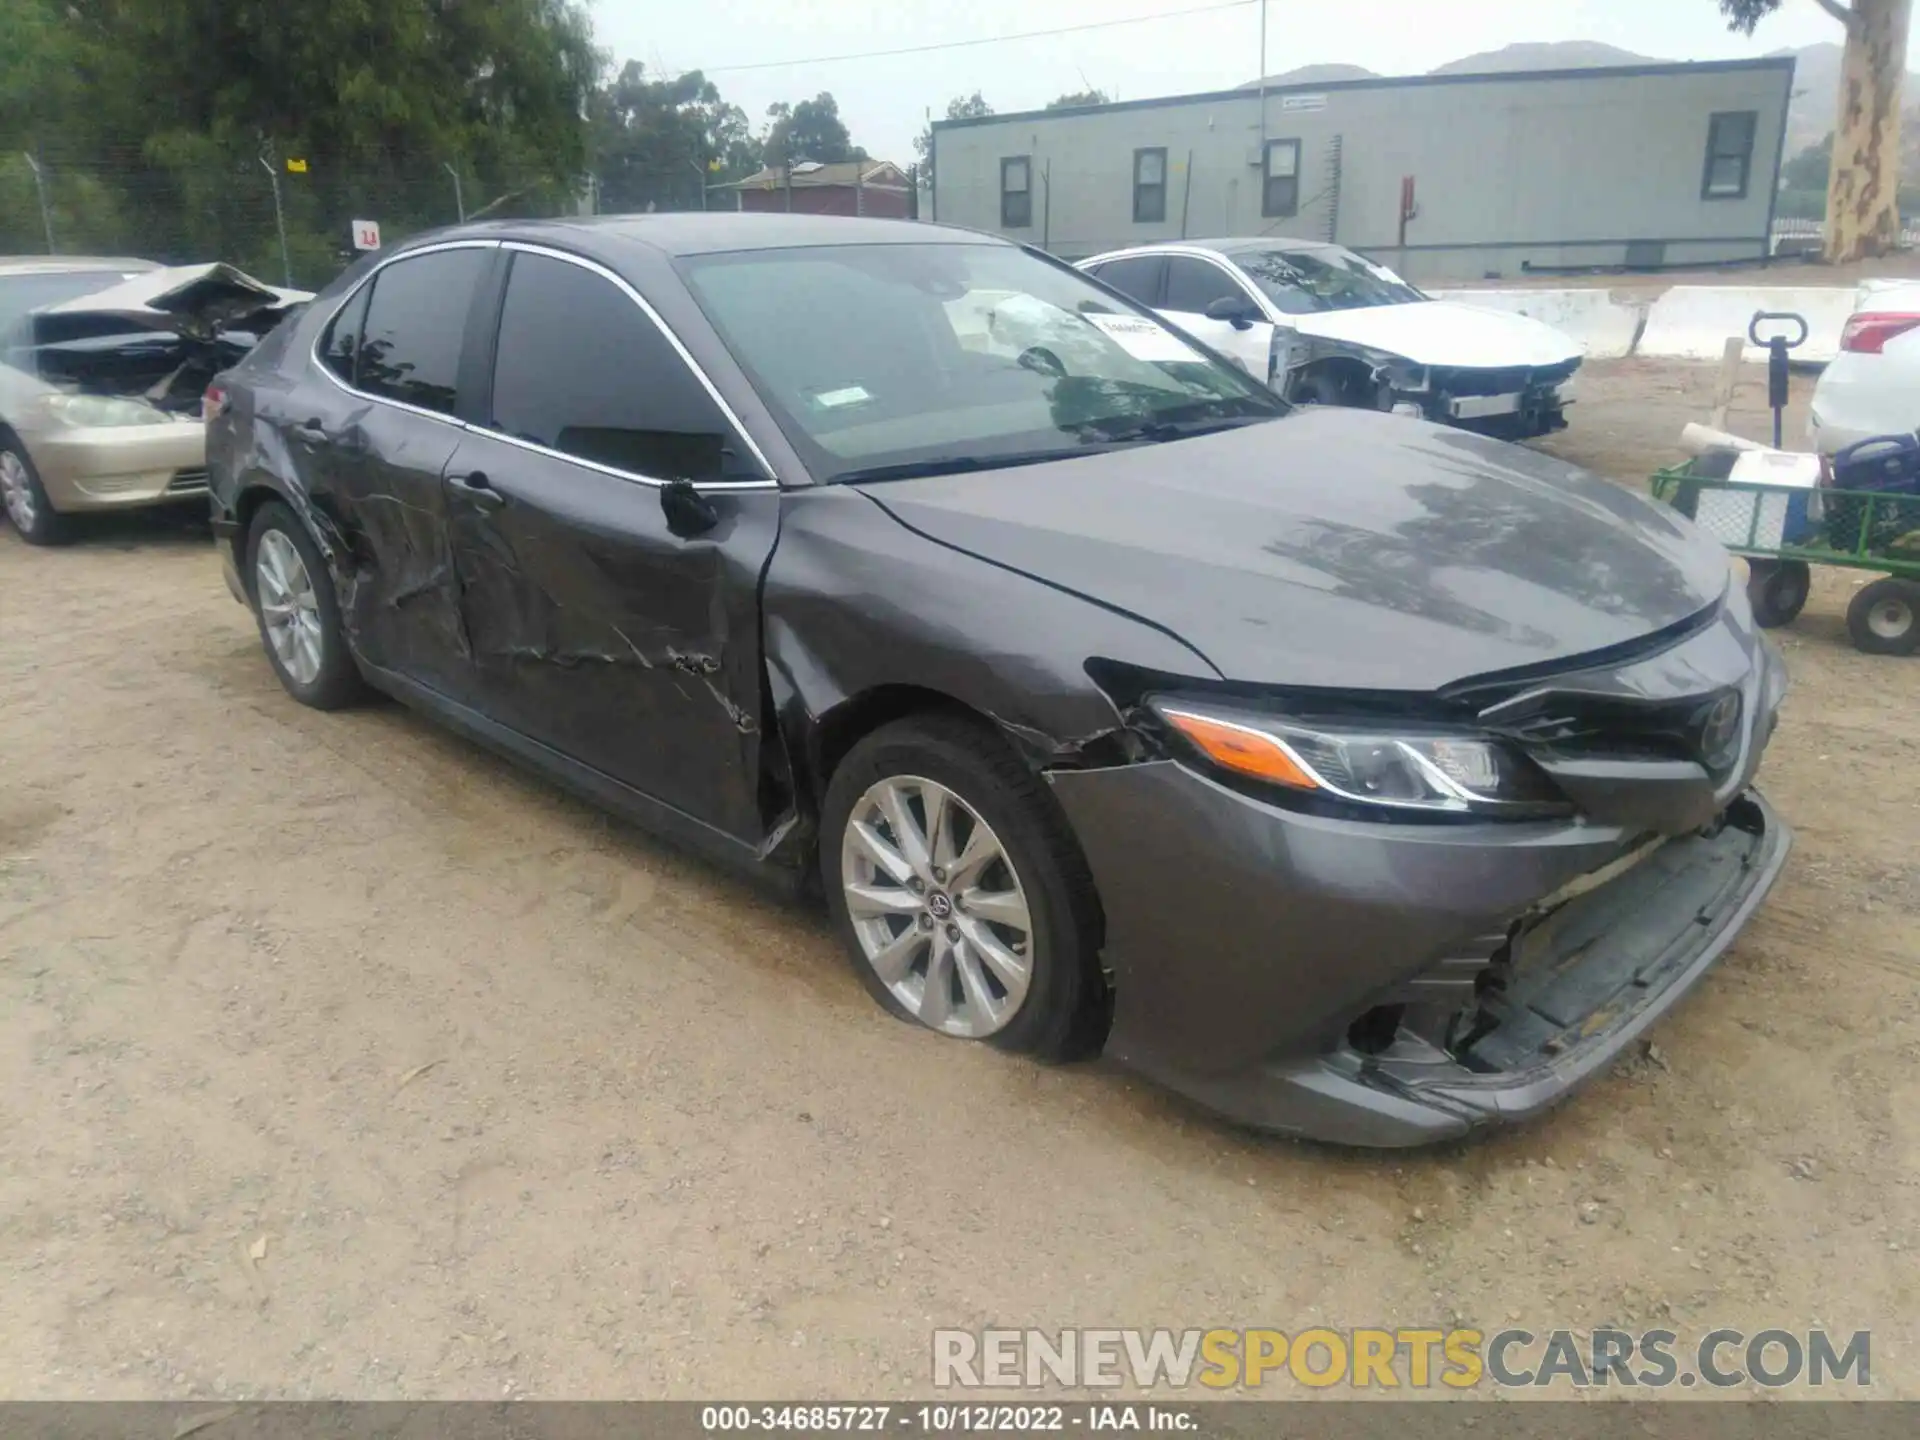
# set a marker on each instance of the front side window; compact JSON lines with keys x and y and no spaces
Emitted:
{"x":1016,"y":193}
{"x":875,"y":358}
{"x":1312,"y":279}
{"x":1149,"y":187}
{"x":583,"y":370}
{"x":1193,"y":285}
{"x":416,"y":324}
{"x":1729,"y":155}
{"x":1280,"y":195}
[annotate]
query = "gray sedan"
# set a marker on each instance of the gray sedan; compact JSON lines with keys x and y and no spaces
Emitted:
{"x":1360,"y":778}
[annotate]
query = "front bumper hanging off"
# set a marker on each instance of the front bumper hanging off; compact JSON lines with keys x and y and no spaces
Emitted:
{"x":1385,"y":985}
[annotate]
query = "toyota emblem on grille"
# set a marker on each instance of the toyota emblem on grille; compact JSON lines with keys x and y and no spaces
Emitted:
{"x":1720,"y":732}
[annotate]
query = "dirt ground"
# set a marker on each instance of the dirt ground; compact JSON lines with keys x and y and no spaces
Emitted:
{"x":338,"y":1058}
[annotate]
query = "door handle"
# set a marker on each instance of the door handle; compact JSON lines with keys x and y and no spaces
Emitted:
{"x":477,"y":488}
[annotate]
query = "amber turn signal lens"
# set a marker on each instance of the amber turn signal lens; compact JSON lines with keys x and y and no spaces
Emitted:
{"x":1243,"y":751}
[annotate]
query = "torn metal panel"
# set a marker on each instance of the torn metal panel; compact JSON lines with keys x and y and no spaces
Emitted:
{"x":197,"y":302}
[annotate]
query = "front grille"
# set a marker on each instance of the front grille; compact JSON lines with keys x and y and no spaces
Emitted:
{"x":188,"y":482}
{"x":1511,"y":380}
{"x":1704,"y":728}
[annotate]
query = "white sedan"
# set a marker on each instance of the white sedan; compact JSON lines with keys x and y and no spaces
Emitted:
{"x":1324,"y":325}
{"x":1872,"y":388}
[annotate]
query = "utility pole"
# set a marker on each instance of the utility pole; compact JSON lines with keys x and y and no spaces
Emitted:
{"x":459,"y":200}
{"x":279,"y":220}
{"x":701,"y":171}
{"x":40,"y":189}
{"x":1263,"y":99}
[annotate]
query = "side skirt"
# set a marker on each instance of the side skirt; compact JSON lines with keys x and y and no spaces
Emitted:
{"x":756,"y":863}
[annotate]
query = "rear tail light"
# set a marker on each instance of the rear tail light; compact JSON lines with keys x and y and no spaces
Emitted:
{"x":214,"y":403}
{"x":1869,"y":332}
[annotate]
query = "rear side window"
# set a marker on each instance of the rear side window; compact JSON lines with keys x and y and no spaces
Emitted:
{"x":342,"y":340}
{"x":582,"y":370}
{"x":1137,"y":276}
{"x":415,"y":325}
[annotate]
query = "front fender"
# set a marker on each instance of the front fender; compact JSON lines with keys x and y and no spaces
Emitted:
{"x":854,"y":602}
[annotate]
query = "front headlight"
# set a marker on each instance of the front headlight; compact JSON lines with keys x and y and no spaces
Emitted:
{"x":1392,"y":769}
{"x":87,"y":412}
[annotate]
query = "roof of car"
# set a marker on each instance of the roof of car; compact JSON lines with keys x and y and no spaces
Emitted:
{"x":1238,"y":245}
{"x":70,"y":264}
{"x":711,"y":232}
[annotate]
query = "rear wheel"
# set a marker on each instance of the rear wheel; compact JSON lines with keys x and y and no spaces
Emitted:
{"x":1884,"y":618}
{"x":294,"y":605}
{"x":959,"y":891}
{"x":25,"y":499}
{"x":1777,"y":590}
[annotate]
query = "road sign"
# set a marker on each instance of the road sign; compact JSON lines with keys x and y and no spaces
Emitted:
{"x":366,"y":234}
{"x":296,"y":166}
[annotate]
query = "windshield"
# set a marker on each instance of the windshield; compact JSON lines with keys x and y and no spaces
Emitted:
{"x":913,"y":359}
{"x":1303,"y":282}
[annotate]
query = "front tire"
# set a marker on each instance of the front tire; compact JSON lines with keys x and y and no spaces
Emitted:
{"x":24,"y":498}
{"x":294,"y":606}
{"x":959,"y":891}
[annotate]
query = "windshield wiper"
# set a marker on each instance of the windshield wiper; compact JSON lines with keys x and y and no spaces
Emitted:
{"x":1159,"y":431}
{"x":952,"y":465}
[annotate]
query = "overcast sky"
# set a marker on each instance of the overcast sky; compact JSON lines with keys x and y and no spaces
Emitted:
{"x":885,"y":101}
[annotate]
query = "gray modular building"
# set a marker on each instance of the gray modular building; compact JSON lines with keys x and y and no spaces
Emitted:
{"x":1646,"y":165}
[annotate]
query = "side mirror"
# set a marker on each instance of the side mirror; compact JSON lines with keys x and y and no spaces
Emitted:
{"x":688,"y":512}
{"x":1236,"y":311}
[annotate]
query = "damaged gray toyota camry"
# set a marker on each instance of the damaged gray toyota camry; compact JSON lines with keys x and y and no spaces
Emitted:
{"x":1358,"y":778}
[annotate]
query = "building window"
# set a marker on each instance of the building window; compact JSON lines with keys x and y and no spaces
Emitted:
{"x":1016,"y":193}
{"x":1149,"y":187}
{"x":1281,"y":192}
{"x":1729,"y":155}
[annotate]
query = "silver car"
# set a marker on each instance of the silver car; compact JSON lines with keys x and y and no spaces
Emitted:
{"x":103,"y":363}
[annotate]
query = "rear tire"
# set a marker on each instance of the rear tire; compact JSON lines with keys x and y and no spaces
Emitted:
{"x":1777,"y":590}
{"x":291,"y":591}
{"x":24,"y":498}
{"x":1884,"y":618}
{"x":1034,"y":905}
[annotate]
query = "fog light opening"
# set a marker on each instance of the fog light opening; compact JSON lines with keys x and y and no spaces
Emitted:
{"x":1375,"y":1031}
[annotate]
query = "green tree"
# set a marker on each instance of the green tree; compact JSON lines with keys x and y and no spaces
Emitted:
{"x":659,"y":142}
{"x":809,"y":130}
{"x":156,"y":115}
{"x":1079,"y":98}
{"x":1863,"y":187}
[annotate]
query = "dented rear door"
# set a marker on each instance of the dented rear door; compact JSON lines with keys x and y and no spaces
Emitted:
{"x":372,"y":451}
{"x":595,"y":628}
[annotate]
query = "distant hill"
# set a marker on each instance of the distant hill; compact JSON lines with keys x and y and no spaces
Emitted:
{"x":1315,"y":75}
{"x":1551,"y":55}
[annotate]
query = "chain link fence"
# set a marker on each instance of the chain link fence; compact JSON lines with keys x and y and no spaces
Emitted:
{"x":286,"y":222}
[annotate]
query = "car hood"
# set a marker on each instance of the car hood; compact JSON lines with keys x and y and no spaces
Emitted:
{"x":1443,"y":332}
{"x":1338,"y":548}
{"x":193,"y":300}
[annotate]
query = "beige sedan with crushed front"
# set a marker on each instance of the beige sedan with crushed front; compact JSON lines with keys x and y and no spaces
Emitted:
{"x":103,"y":363}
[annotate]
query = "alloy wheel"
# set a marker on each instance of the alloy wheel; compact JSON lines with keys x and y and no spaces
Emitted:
{"x":288,"y":606}
{"x":16,"y":490}
{"x":937,"y":907}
